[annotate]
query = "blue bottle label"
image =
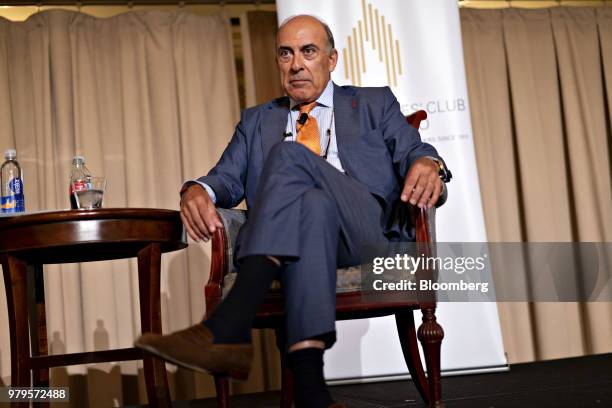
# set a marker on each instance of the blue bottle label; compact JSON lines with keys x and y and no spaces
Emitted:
{"x":13,"y":202}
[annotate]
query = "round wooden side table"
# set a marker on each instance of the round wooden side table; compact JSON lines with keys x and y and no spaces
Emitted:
{"x":28,"y":241}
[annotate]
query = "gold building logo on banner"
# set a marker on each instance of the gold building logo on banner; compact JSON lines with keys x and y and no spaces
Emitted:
{"x":372,"y":28}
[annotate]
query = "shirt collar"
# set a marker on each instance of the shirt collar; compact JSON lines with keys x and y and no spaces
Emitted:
{"x":325,"y":99}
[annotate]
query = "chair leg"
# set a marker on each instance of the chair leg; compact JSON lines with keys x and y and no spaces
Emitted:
{"x":430,"y":335}
{"x":222,"y":388}
{"x":286,"y":376}
{"x":410,"y":348}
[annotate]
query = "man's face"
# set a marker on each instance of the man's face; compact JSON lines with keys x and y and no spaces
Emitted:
{"x":303,"y":60}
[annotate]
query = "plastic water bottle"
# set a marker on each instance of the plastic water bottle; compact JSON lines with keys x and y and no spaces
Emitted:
{"x":12,"y":200}
{"x":79,"y":177}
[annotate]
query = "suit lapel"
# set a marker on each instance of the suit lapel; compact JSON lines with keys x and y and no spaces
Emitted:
{"x":273,"y":124}
{"x":347,"y":121}
{"x":346,"y":118}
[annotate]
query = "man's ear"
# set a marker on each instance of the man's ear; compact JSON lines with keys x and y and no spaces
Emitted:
{"x":333,"y":60}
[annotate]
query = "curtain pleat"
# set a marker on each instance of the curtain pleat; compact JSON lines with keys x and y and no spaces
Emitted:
{"x":488,"y":88}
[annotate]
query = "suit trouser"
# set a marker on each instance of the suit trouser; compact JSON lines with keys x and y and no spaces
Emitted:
{"x":316,"y":218}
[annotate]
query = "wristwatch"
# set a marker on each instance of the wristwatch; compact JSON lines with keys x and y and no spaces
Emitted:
{"x":444,"y":173}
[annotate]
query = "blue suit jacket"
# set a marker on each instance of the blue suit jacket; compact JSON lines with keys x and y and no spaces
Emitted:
{"x":375,"y":146}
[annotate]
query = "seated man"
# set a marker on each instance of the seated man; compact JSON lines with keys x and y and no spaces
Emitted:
{"x":320,"y":170}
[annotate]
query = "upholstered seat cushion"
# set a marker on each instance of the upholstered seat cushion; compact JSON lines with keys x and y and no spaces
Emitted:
{"x":348,"y":280}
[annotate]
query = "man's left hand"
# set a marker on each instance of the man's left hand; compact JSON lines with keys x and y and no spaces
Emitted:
{"x":422,"y":186}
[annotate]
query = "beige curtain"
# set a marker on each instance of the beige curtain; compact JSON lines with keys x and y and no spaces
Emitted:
{"x":540,"y":83}
{"x":261,"y":76}
{"x":150,"y":99}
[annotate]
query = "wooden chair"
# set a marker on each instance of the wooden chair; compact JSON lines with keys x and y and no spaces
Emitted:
{"x":350,"y":304}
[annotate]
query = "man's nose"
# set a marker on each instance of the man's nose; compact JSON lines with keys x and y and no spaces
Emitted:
{"x":297,"y":63}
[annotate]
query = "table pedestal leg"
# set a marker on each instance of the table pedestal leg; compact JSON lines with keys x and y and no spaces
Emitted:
{"x":149,"y":266}
{"x":15,"y":283}
{"x":38,"y":325}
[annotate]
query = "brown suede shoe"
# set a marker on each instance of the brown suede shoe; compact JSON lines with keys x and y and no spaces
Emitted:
{"x":193,"y":348}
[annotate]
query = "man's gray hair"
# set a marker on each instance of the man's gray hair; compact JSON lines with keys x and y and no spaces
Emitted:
{"x":331,"y":45}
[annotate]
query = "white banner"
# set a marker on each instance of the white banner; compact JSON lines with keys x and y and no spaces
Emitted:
{"x":415,"y":48}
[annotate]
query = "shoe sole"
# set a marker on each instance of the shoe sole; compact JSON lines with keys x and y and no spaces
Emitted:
{"x":236,"y":375}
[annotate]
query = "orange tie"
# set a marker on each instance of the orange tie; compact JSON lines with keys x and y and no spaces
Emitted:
{"x":308,"y":133}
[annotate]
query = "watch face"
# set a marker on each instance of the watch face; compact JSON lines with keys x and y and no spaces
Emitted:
{"x":446,"y":175}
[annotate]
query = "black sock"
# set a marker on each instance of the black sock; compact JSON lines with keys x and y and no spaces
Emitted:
{"x":307,"y":368}
{"x":232,"y":320}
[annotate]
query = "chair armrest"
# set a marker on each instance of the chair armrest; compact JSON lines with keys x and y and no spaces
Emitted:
{"x":425,"y":221}
{"x":222,"y":256}
{"x":424,"y":224}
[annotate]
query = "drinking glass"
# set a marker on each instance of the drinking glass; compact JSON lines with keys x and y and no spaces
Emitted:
{"x":90,"y":194}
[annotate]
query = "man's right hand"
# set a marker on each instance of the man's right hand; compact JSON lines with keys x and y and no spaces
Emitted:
{"x":198,"y":213}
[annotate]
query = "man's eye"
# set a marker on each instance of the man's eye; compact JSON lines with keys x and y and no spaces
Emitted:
{"x":309,"y":51}
{"x":284,"y":53}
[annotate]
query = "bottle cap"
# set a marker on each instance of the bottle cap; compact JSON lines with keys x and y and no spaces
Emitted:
{"x":78,"y":160}
{"x":10,"y":154}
